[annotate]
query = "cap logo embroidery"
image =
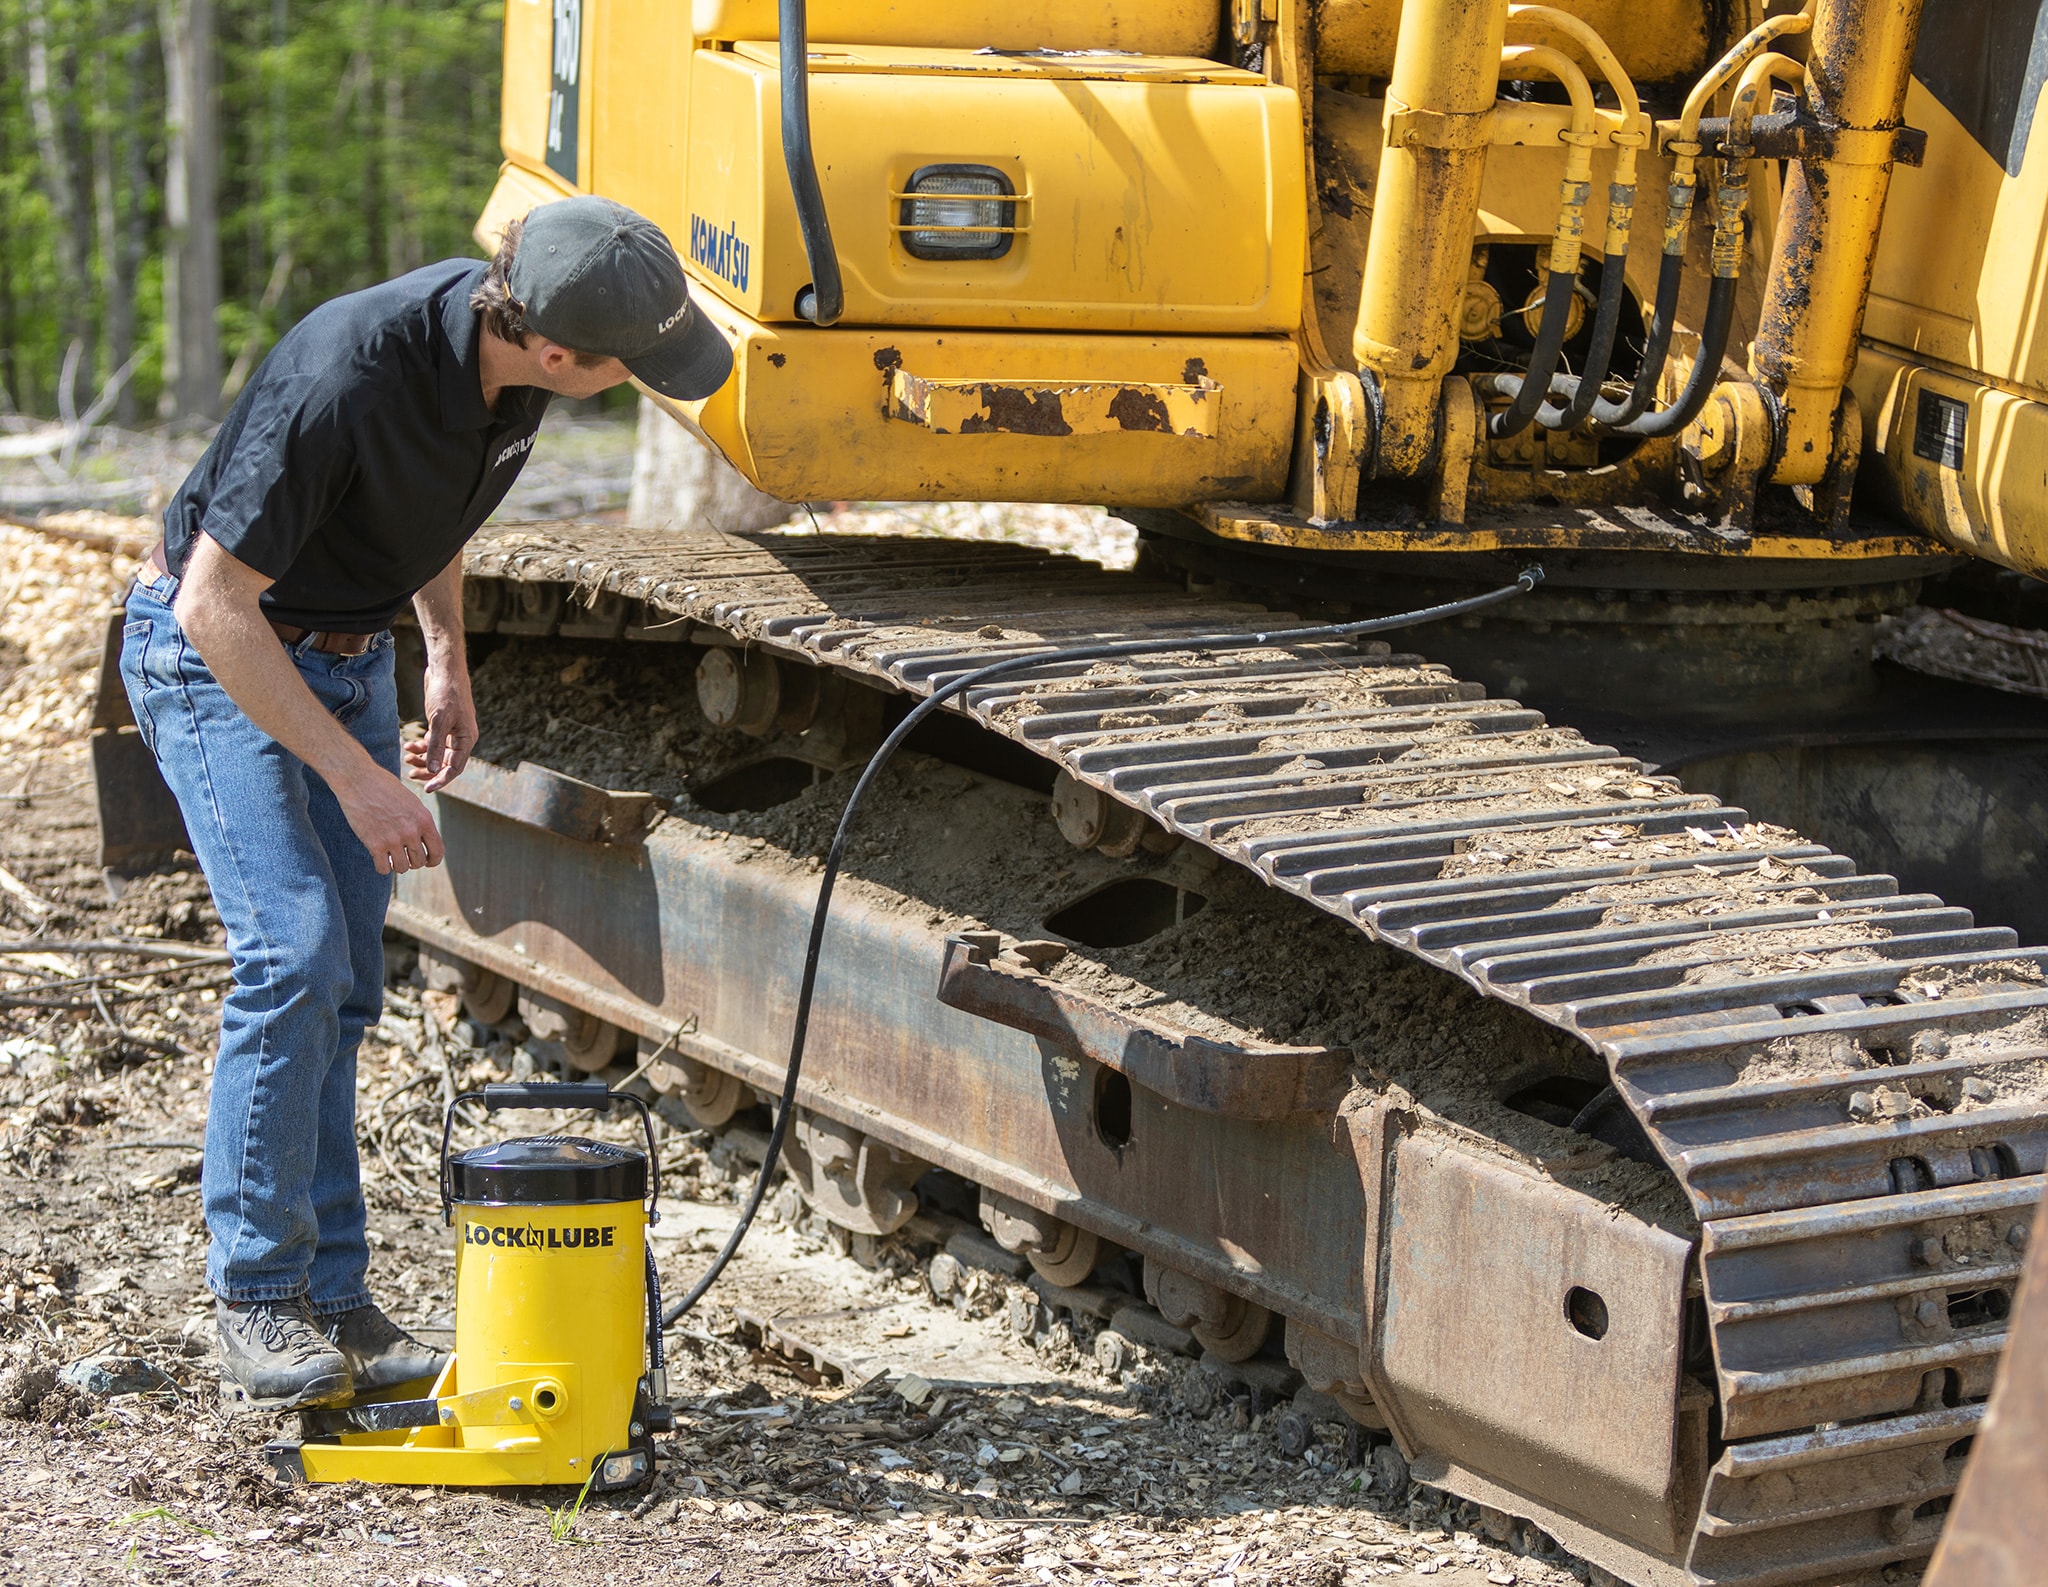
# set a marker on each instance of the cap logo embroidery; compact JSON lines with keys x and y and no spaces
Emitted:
{"x":671,"y":322}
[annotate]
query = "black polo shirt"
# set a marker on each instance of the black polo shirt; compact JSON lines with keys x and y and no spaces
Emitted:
{"x":361,"y":457}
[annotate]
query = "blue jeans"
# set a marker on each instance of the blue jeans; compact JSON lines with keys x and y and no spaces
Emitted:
{"x":304,"y":910}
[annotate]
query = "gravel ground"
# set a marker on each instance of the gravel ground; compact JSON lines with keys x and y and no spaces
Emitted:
{"x":967,"y":1457}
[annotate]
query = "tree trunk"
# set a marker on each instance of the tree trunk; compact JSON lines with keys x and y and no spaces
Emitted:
{"x":52,"y":123}
{"x":376,"y":212}
{"x":13,"y":393}
{"x":117,"y":283}
{"x":135,"y":183}
{"x":191,"y":212}
{"x":278,"y":176}
{"x":402,"y":245}
{"x":680,"y":483}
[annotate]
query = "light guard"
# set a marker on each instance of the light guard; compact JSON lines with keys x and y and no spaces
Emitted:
{"x":958,"y":212}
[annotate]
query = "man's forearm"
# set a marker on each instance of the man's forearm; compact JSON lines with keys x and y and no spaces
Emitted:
{"x":439,"y":608}
{"x":439,"y":758}
{"x":217,"y":608}
{"x":248,"y":660}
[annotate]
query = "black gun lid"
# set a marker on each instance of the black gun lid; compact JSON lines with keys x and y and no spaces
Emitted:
{"x":548,"y":1171}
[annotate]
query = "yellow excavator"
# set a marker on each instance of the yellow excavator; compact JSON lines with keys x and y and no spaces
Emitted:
{"x":1492,"y":1045}
{"x":1374,"y":301}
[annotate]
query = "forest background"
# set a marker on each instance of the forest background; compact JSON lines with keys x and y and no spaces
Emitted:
{"x":180,"y":180}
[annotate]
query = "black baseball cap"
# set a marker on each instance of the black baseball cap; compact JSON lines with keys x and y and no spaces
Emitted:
{"x":593,"y":276}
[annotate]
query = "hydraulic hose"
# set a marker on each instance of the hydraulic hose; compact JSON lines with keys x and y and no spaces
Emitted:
{"x":1606,"y":62}
{"x":1581,"y":393}
{"x":1742,"y":109}
{"x":1663,"y":315}
{"x":824,"y":299}
{"x":1723,"y":70}
{"x":1010,"y":666}
{"x":1533,"y":385}
{"x":1731,"y":210}
{"x":1631,"y":415}
{"x":1706,"y":370}
{"x":1585,"y":390}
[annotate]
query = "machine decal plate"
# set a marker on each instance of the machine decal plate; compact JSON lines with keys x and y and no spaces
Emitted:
{"x":1940,"y":428}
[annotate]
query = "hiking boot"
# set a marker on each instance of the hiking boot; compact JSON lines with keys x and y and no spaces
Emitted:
{"x":380,"y":1354}
{"x":277,"y":1358}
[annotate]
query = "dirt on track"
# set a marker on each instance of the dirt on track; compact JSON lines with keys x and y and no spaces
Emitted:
{"x":1033,"y":1467}
{"x":1249,"y":963}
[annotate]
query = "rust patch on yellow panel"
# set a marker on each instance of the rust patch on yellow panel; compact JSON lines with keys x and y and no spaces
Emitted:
{"x":1053,"y":407}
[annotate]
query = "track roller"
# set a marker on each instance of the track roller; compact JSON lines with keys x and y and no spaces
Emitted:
{"x":1228,"y":1326}
{"x":1088,"y":818}
{"x":852,"y":1180}
{"x":710,"y":1096}
{"x":587,"y":1042}
{"x":1331,"y":1366}
{"x":755,"y":693}
{"x":487,"y":997}
{"x":1070,"y":1261}
{"x":1058,"y":1252}
{"x":738,"y":690}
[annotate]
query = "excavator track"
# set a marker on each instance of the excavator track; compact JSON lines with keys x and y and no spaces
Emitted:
{"x":1846,"y":1080}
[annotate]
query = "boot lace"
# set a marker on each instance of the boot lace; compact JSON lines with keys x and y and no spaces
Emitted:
{"x":282,"y":1330}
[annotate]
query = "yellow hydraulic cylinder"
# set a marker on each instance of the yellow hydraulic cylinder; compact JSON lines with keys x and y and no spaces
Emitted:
{"x":1446,"y":77}
{"x":1857,"y":65}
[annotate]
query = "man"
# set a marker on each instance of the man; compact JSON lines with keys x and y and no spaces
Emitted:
{"x":379,"y":434}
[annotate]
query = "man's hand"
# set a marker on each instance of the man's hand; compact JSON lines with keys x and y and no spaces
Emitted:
{"x":390,"y":820}
{"x":438,"y":759}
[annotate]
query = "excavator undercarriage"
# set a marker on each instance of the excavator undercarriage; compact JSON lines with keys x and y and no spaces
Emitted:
{"x":1676,"y":1205}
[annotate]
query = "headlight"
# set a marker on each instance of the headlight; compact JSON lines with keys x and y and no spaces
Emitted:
{"x":958,"y":212}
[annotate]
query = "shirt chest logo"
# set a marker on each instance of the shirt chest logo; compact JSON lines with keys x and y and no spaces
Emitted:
{"x":513,"y":449}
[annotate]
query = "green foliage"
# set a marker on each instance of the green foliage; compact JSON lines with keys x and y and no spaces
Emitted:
{"x":562,"y":1521}
{"x":358,"y":139}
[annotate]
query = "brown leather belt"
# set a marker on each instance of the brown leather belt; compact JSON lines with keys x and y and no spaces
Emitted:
{"x":326,"y":640}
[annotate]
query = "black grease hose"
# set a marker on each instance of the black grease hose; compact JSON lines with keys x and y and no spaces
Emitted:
{"x":1706,"y":370}
{"x":824,"y":299}
{"x":1579,"y":395}
{"x":657,"y":1351}
{"x":1599,"y":351}
{"x":1533,"y":385}
{"x":1663,"y":316}
{"x":1007,"y":667}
